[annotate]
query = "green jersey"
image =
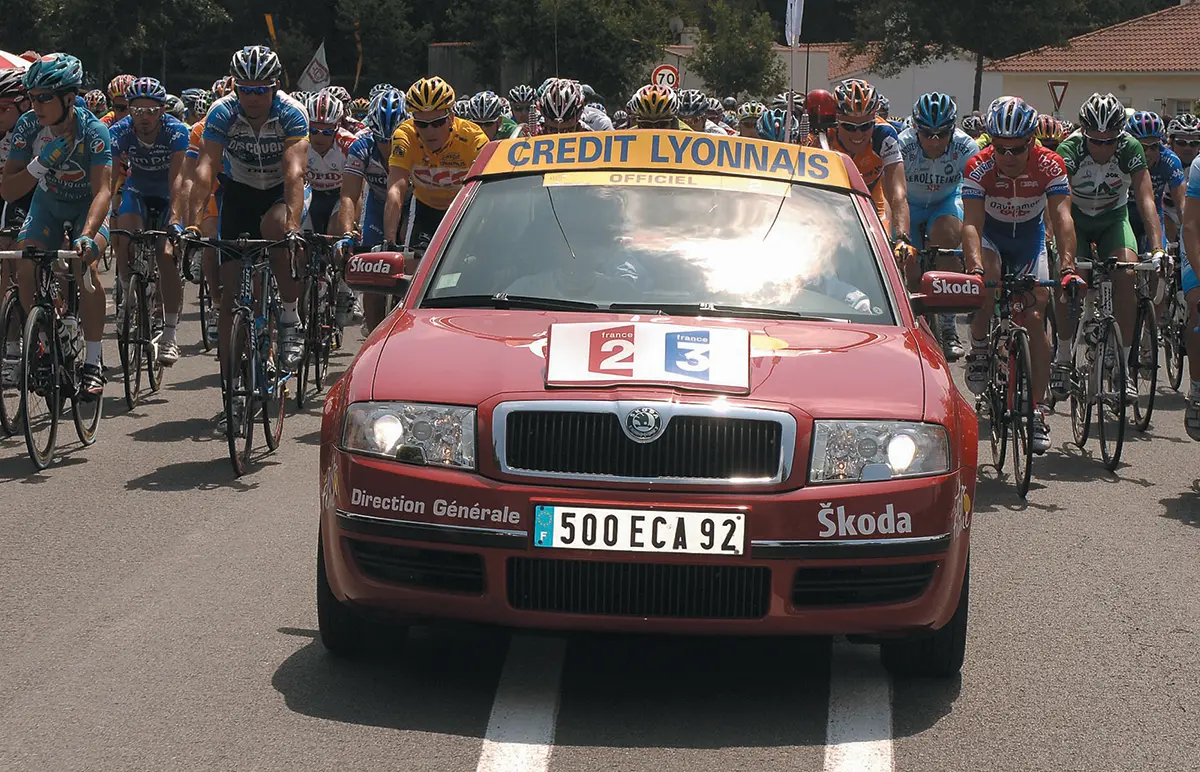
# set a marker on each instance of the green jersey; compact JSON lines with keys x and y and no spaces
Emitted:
{"x":510,"y":128}
{"x":1100,"y":188}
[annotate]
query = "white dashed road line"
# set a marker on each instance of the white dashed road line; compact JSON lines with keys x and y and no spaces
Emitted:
{"x":859,"y":733}
{"x":520,"y":732}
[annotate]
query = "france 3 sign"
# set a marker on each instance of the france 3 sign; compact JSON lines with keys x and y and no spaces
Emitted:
{"x":665,"y":75}
{"x":603,"y":353}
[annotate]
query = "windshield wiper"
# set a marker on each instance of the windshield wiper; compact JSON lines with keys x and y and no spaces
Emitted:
{"x":717,"y":309}
{"x":504,"y":300}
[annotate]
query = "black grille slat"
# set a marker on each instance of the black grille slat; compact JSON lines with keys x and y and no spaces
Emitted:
{"x":691,"y":446}
{"x":638,"y":589}
{"x":431,"y":569}
{"x":860,"y":585}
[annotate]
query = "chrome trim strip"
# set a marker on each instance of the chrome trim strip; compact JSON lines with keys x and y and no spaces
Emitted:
{"x":846,"y":542}
{"x":435,"y":532}
{"x":668,"y":410}
{"x":851,"y":548}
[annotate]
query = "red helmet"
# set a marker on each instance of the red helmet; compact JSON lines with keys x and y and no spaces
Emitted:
{"x":821,"y":105}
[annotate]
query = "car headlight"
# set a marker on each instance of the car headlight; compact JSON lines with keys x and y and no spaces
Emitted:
{"x":434,"y":435}
{"x":854,"y":451}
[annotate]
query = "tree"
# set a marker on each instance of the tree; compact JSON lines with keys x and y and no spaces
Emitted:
{"x":736,"y":55}
{"x":393,"y":50}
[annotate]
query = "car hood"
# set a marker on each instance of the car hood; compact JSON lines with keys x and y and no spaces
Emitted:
{"x":826,"y":369}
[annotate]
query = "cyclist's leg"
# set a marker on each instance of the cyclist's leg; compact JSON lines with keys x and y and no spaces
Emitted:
{"x":92,"y":305}
{"x":209,"y":266}
{"x":977,"y":364}
{"x":919,"y":217}
{"x":1068,"y":317}
{"x":241,"y":212}
{"x":131,"y":216}
{"x":1117,"y":240}
{"x":1025,"y":258}
{"x":291,"y":331}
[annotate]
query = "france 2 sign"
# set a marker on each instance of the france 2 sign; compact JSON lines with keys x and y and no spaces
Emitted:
{"x":665,"y":75}
{"x":603,"y":353}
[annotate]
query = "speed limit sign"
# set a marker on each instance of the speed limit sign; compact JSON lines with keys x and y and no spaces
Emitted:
{"x":665,"y":75}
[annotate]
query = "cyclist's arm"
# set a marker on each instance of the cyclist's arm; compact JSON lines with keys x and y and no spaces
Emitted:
{"x":398,"y":182}
{"x":1143,"y":188}
{"x":1191,"y":234}
{"x":352,"y":186}
{"x":101,"y":178}
{"x":895,"y":188}
{"x":206,"y":163}
{"x":972,"y":234}
{"x":1179,"y":194}
{"x":1058,"y":207}
{"x":295,"y":164}
{"x":179,"y":187}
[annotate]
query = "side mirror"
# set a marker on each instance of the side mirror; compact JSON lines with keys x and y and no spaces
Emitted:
{"x":948,"y":292}
{"x":379,"y":272}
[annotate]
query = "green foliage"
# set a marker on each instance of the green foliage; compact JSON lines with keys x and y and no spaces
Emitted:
{"x":735,"y":55}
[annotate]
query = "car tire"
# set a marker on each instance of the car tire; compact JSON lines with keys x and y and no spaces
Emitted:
{"x":344,"y":633}
{"x":936,"y":655}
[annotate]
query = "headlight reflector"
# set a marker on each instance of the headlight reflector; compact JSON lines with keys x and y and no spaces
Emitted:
{"x":434,"y":435}
{"x":853,"y":451}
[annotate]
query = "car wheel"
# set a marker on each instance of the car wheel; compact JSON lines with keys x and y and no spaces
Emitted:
{"x":344,"y":633}
{"x":939,"y":654}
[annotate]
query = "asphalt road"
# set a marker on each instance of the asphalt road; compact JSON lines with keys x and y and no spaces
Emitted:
{"x":159,"y":614}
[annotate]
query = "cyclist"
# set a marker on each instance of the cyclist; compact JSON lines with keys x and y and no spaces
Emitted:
{"x":521,"y":97}
{"x":151,"y":145}
{"x":62,"y":153}
{"x":1106,"y":168}
{"x":430,"y":153}
{"x":13,"y":104}
{"x":367,"y":163}
{"x":208,"y":222}
{"x":747,"y":117}
{"x":772,"y":125}
{"x":175,"y":107}
{"x":1049,"y":131}
{"x":1166,"y":172}
{"x":693,"y":110}
{"x":116,"y":99}
{"x":487,"y":112}
{"x":359,"y":107}
{"x":935,"y":156}
{"x":259,"y":137}
{"x":875,"y":148}
{"x":95,"y":102}
{"x":328,"y":148}
{"x":972,"y":125}
{"x":656,"y":107}
{"x":1183,"y":136}
{"x":620,"y":119}
{"x":593,"y":116}
{"x":1006,"y":188}
{"x":1189,"y":270}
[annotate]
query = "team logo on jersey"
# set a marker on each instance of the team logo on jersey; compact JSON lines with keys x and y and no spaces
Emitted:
{"x":18,"y":142}
{"x":98,"y":145}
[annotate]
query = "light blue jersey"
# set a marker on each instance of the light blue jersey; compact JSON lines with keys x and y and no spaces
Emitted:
{"x":932,"y":180}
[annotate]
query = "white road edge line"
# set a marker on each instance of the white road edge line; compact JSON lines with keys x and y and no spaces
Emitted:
{"x":858,"y":737}
{"x":520,"y":732}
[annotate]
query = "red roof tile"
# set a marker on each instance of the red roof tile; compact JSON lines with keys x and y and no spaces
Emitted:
{"x":1164,"y":41}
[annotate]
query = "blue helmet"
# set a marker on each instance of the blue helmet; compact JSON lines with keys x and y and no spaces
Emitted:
{"x":772,"y":125}
{"x":55,"y":72}
{"x":934,"y":111}
{"x":386,"y":113}
{"x":146,"y":88}
{"x":1145,"y":125}
{"x":1010,"y":118}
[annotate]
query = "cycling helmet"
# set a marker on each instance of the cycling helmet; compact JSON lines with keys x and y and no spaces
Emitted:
{"x":379,"y":88}
{"x":257,"y":64}
{"x":750,"y":110}
{"x":358,"y":107}
{"x":462,"y":107}
{"x":934,"y":111}
{"x":1185,"y":123}
{"x":781,"y":101}
{"x":175,"y":107}
{"x":654,"y":103}
{"x":972,"y":124}
{"x":117,"y":86}
{"x":545,"y":85}
{"x":1145,"y":125}
{"x":54,"y":72}
{"x":339,"y":93}
{"x":595,"y":106}
{"x":146,"y":88}
{"x":620,"y":119}
{"x":1102,"y":112}
{"x":94,"y":99}
{"x":730,"y":119}
{"x":561,"y":100}
{"x":856,"y":97}
{"x":822,"y":106}
{"x":222,"y":87}
{"x":12,"y":83}
{"x":772,"y":125}
{"x":485,"y":107}
{"x":1048,"y":129}
{"x":729,"y":103}
{"x":191,"y":96}
{"x":386,"y":113}
{"x":692,"y":103}
{"x":715,"y":110}
{"x":324,"y":107}
{"x":1010,"y":118}
{"x":885,"y":106}
{"x":429,"y":95}
{"x":522,"y":95}
{"x":589,"y":93}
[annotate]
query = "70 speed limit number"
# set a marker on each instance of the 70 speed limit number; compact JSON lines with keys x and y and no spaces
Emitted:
{"x":665,"y":75}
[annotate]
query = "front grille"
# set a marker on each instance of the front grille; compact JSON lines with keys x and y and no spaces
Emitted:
{"x":859,"y":585}
{"x":639,"y":589}
{"x":691,"y":446}
{"x":430,"y":569}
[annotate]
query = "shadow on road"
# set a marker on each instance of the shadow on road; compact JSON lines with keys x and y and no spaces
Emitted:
{"x":18,"y":468}
{"x":195,"y":429}
{"x":200,"y":383}
{"x":196,"y":476}
{"x":1185,"y":507}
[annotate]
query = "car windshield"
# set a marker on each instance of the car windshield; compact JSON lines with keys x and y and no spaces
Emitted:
{"x":647,"y":242}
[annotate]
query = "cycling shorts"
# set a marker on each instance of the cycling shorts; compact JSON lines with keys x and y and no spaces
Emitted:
{"x":44,"y":223}
{"x":13,"y":215}
{"x":242,"y":208}
{"x":324,"y":205}
{"x":921,"y":218}
{"x":152,"y":210}
{"x":372,"y":221}
{"x":416,"y":219}
{"x":1142,"y":238}
{"x":1110,"y":232}
{"x":1025,"y":254}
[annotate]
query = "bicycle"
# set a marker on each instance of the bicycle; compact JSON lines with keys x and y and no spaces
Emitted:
{"x":191,"y":269}
{"x":1007,"y":401}
{"x":1173,"y":332}
{"x":12,"y":329}
{"x":1142,"y":367}
{"x":1097,"y":370}
{"x":141,"y":320}
{"x":252,"y":379}
{"x":52,"y":355}
{"x":318,"y":306}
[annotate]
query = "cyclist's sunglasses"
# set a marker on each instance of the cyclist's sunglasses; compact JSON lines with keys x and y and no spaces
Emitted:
{"x":485,"y":124}
{"x":1186,"y":142}
{"x":1101,"y":142}
{"x":253,"y":89}
{"x":144,"y":110}
{"x":856,"y":127}
{"x":44,"y":98}
{"x":433,"y":124}
{"x":1014,"y":150}
{"x":666,"y":123}
{"x":934,"y":135}
{"x":323,"y":132}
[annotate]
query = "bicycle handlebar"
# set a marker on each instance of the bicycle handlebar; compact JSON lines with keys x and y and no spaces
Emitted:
{"x":61,"y":255}
{"x":1110,"y":264}
{"x":143,"y":234}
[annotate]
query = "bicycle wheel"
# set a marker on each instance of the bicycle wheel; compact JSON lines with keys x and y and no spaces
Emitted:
{"x":85,"y":412}
{"x":1080,"y":386}
{"x":40,"y":387}
{"x":128,"y":344}
{"x":1050,"y":323}
{"x":1174,"y":331}
{"x":996,"y":396}
{"x":325,"y":341}
{"x":12,"y":333}
{"x":151,"y":326}
{"x":308,"y":310}
{"x":1143,"y":364}
{"x":1110,"y":395}
{"x":240,"y":396}
{"x":108,"y":257}
{"x":205,"y":310}
{"x":1020,"y":396}
{"x":273,"y":390}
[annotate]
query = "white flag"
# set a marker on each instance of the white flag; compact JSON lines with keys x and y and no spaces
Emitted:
{"x":795,"y":13}
{"x":316,"y":75}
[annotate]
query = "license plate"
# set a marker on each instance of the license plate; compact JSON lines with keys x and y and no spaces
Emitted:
{"x":632,"y":530}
